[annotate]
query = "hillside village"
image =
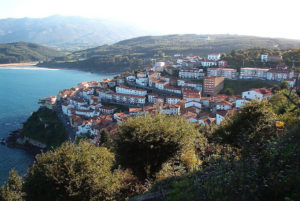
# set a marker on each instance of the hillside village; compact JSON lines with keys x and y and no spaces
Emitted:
{"x":188,"y":87}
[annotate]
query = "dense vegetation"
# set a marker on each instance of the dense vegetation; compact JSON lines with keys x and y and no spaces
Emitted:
{"x":152,"y":141}
{"x":251,"y":57}
{"x":236,"y":87}
{"x":137,"y":52}
{"x":45,"y":127}
{"x":247,"y":157}
{"x":26,"y":52}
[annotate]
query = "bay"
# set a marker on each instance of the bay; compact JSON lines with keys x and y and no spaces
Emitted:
{"x":20,"y":89}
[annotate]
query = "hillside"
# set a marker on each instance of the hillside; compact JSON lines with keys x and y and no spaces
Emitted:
{"x":26,"y":52}
{"x":45,"y":127}
{"x":137,"y":52}
{"x":71,"y":33}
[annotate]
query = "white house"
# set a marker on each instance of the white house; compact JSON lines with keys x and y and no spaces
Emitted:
{"x":141,"y":75}
{"x":131,"y":91}
{"x":208,"y":63}
{"x":170,"y":109}
{"x":128,"y":99}
{"x":84,"y":128}
{"x":214,"y":56}
{"x":280,"y":74}
{"x":240,"y":102}
{"x":264,"y":58}
{"x":257,"y":94}
{"x":222,"y":114}
{"x":193,"y":73}
{"x":172,"y":100}
{"x":172,"y":89}
{"x":130,"y":78}
{"x":224,"y":105}
{"x":159,"y":66}
{"x":143,"y":81}
{"x":160,"y":85}
{"x":107,"y":109}
{"x":291,"y":82}
{"x":254,"y":73}
{"x":193,"y":103}
{"x":87,"y":113}
{"x":229,"y":73}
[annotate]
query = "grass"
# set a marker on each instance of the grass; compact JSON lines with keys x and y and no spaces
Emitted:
{"x":238,"y":86}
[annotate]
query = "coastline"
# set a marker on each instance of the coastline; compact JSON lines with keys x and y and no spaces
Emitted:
{"x":12,"y":142}
{"x":10,"y":65}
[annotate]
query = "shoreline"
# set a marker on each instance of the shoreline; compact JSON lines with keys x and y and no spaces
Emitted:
{"x":18,"y":64}
{"x":12,"y":142}
{"x":35,"y":64}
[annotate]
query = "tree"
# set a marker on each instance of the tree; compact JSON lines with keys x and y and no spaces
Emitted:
{"x":72,"y":172}
{"x":105,"y":139}
{"x":12,"y":189}
{"x":229,"y":91}
{"x":284,"y":85}
{"x":144,"y":143}
{"x":250,"y":128}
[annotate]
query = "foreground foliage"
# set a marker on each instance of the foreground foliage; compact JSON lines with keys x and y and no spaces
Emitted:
{"x":245,"y":158}
{"x":144,"y":144}
{"x":72,"y":172}
{"x":12,"y":189}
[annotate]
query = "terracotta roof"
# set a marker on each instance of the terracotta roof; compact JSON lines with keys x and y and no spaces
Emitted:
{"x":135,"y":110}
{"x":250,"y":68}
{"x":224,"y":103}
{"x":263,"y":91}
{"x":280,"y":70}
{"x":108,"y":107}
{"x":225,"y":113}
{"x":168,"y":106}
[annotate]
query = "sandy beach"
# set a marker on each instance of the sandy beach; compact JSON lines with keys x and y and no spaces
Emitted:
{"x":18,"y":64}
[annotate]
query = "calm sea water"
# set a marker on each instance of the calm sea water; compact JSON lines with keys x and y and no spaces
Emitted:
{"x":20,"y":89}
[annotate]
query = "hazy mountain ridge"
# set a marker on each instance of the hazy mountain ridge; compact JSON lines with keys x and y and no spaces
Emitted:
{"x":66,"y":32}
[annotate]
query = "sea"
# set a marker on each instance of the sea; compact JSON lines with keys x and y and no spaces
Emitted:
{"x":20,"y":89}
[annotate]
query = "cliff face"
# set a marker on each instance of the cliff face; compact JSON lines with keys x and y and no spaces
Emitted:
{"x":43,"y":129}
{"x":35,"y":143}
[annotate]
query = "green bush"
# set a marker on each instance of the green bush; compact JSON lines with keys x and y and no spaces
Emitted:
{"x":72,"y":172}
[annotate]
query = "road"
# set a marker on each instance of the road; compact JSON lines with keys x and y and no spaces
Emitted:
{"x":66,"y":123}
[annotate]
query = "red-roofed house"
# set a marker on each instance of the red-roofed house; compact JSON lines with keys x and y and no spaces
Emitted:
{"x":224,"y":105}
{"x":257,"y":94}
{"x":222,"y":114}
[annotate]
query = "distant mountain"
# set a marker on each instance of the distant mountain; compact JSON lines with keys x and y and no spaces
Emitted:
{"x":69,"y":33}
{"x":137,"y":52}
{"x":27,"y":52}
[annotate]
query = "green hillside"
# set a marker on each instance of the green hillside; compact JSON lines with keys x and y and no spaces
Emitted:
{"x":138,"y":52}
{"x":26,"y":52}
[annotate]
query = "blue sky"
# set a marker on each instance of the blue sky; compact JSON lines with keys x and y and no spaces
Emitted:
{"x":271,"y":18}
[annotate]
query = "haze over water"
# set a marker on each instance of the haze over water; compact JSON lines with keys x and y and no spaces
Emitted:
{"x":20,"y":89}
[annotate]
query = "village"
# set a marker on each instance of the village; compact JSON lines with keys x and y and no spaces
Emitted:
{"x":180,"y":88}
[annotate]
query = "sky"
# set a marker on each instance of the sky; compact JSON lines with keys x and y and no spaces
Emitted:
{"x":269,"y":18}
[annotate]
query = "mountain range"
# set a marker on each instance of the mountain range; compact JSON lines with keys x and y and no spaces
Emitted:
{"x":67,"y":32}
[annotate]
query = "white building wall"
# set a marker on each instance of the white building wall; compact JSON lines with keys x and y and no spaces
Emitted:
{"x":253,"y":95}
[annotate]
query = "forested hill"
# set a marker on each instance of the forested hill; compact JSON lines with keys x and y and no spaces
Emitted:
{"x":137,"y":52}
{"x":26,"y":52}
{"x":190,"y":44}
